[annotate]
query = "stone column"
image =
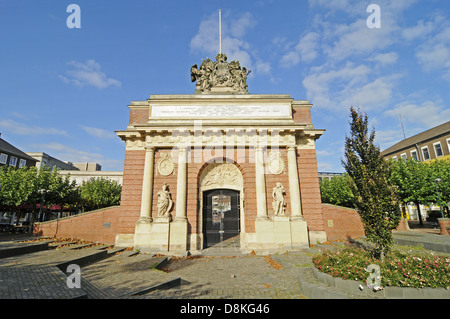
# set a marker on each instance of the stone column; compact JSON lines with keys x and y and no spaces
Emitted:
{"x":294,"y":185}
{"x":180,"y":212}
{"x":147,"y":185}
{"x":261,"y":201}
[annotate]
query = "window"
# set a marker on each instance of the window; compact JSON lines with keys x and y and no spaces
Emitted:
{"x":438,"y":149}
{"x":13,"y":161}
{"x":394,"y":158}
{"x":414,"y":155}
{"x":426,"y":154}
{"x":22,"y":163}
{"x":3,"y":158}
{"x":448,"y":144}
{"x":403,"y":156}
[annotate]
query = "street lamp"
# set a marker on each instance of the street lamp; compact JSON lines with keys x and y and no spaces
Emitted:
{"x":436,"y":182}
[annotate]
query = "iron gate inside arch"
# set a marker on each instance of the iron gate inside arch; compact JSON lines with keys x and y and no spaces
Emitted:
{"x":221,"y":216}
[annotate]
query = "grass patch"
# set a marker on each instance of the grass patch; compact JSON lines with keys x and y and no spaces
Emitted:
{"x":401,"y":267}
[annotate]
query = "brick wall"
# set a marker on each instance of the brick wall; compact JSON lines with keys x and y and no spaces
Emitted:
{"x":309,"y":189}
{"x":341,"y":222}
{"x":138,"y":115}
{"x":98,"y":226}
{"x":130,"y":202}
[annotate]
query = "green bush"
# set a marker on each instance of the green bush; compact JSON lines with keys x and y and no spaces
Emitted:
{"x":399,"y":268}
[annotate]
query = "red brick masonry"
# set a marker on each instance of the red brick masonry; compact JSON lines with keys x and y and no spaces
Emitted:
{"x":102,"y":225}
{"x":98,"y":226}
{"x":341,"y":222}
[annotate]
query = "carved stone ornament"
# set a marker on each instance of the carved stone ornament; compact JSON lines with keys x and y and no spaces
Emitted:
{"x":220,"y":76}
{"x":274,"y":163}
{"x":164,"y":202}
{"x":220,"y":174}
{"x":279,"y":203}
{"x":165,"y":164}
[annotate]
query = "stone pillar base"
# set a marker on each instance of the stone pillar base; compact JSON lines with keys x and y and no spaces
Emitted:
{"x":161,"y":235}
{"x":124,"y":240}
{"x":318,"y":236}
{"x":299,"y":233}
{"x":142,"y":233}
{"x":178,"y":236}
{"x":281,"y":233}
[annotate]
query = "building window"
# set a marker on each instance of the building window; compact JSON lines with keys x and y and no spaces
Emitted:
{"x":22,"y":163}
{"x":3,"y":158}
{"x":403,"y":156}
{"x":438,"y":149}
{"x":414,"y":155}
{"x":13,"y":161}
{"x":426,"y":154}
{"x":448,"y":145}
{"x":394,"y":158}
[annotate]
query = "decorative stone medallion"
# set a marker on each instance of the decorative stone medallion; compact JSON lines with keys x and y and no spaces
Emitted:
{"x":275,"y":164}
{"x":165,"y":164}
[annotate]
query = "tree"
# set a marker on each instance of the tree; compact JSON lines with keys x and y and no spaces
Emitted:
{"x":374,"y":198}
{"x":337,"y":191}
{"x":30,"y":186}
{"x":17,"y":186}
{"x":414,"y":182}
{"x":441,"y":169}
{"x":99,"y":192}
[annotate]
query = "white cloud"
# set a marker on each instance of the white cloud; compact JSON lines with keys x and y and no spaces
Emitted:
{"x":385,"y":58}
{"x":24,"y":129}
{"x":357,"y":39}
{"x":325,"y":167}
{"x":206,"y":41}
{"x":305,"y":50}
{"x":338,"y":88}
{"x":89,"y":74}
{"x":98,"y":132}
{"x":419,"y":31}
{"x":428,"y":114}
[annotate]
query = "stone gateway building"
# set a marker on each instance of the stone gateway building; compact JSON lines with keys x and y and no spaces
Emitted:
{"x":220,"y":164}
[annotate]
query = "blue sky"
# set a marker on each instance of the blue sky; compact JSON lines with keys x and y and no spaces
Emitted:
{"x":64,"y":91}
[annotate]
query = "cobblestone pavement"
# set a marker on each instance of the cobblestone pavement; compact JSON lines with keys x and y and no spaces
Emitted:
{"x":125,"y":273}
{"x":122,"y":274}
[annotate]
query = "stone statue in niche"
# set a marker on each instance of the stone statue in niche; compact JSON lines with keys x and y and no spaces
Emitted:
{"x":164,"y":202}
{"x":279,"y":202}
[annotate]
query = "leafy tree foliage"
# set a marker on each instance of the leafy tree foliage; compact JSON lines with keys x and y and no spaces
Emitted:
{"x":374,"y":198}
{"x":99,"y":192}
{"x":415,"y":182}
{"x":337,"y":191}
{"x":32,"y":187}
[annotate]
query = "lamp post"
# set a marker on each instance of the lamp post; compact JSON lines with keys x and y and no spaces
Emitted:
{"x":436,"y":182}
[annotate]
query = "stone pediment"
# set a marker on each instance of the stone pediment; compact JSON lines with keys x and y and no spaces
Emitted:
{"x":220,"y":76}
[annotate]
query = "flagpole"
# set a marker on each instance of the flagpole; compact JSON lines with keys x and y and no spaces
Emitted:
{"x":220,"y":31}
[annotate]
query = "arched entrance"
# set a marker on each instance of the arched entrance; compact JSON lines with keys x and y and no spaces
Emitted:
{"x":221,"y":212}
{"x":221,"y":216}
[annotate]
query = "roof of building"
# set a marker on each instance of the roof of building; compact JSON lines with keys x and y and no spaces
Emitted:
{"x":419,"y":138}
{"x":10,"y":149}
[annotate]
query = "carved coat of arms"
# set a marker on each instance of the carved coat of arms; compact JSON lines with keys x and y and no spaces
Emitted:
{"x":219,"y":73}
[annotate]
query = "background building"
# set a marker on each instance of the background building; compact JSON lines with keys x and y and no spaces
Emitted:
{"x":12,"y":156}
{"x":429,"y":145}
{"x":79,"y":172}
{"x":328,"y":175}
